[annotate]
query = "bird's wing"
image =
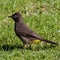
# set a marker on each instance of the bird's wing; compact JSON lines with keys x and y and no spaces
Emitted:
{"x":25,"y":30}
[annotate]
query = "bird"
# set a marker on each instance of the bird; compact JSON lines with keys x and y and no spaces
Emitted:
{"x":24,"y":33}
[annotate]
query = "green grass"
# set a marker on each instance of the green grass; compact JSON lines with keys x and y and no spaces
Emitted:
{"x":43,"y":16}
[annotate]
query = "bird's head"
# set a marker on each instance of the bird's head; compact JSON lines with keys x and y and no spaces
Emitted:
{"x":16,"y":16}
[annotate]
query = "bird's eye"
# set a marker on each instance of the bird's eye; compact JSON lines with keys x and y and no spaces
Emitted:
{"x":15,"y":16}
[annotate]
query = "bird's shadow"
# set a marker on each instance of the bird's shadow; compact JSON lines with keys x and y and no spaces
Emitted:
{"x":7,"y":47}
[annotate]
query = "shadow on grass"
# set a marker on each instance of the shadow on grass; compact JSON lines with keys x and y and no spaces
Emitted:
{"x":7,"y":47}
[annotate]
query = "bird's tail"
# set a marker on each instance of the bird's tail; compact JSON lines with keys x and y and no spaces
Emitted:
{"x":45,"y":40}
{"x":48,"y":41}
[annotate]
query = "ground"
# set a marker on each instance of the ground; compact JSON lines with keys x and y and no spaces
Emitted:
{"x":42,"y":16}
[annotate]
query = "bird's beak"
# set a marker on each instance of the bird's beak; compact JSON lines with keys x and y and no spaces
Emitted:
{"x":9,"y":16}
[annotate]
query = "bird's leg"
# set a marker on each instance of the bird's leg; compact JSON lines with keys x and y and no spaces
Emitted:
{"x":26,"y":45}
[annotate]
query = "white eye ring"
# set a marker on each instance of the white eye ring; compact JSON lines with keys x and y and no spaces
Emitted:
{"x":15,"y":16}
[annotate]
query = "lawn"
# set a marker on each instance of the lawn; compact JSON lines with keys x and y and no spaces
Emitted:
{"x":42,"y":16}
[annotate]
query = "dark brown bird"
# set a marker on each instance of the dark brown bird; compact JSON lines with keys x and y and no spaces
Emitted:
{"x":26,"y":35}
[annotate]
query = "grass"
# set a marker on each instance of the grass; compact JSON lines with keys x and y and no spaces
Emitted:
{"x":41,"y":16}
